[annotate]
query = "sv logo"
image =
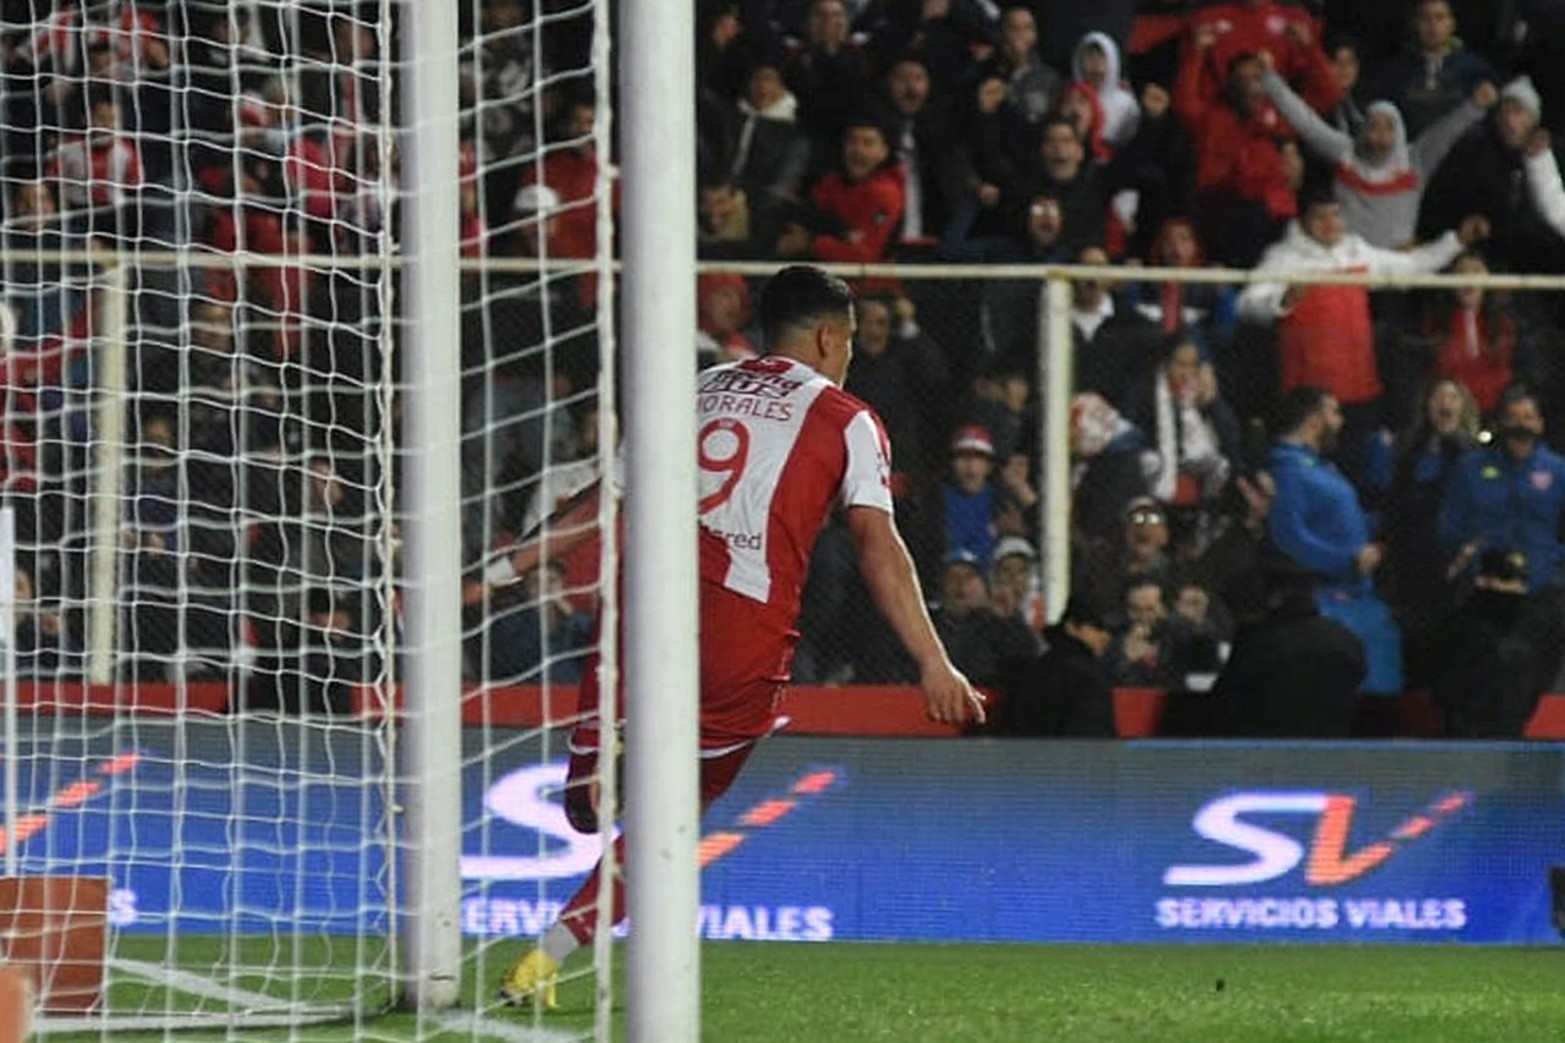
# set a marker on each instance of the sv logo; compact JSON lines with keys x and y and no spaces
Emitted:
{"x":1330,"y":862}
{"x":525,"y":798}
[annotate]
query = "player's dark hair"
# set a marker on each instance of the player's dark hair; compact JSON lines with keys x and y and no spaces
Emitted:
{"x":1297,"y":406}
{"x":801,"y":295}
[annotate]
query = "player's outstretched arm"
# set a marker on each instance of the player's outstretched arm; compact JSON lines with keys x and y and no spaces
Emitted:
{"x":888,"y":572}
{"x":564,"y":531}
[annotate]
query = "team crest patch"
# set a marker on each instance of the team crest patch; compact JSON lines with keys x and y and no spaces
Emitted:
{"x":1276,"y":25}
{"x":1542,"y":481}
{"x":1490,"y":472}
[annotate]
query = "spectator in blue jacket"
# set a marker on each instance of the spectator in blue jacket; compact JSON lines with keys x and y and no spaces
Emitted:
{"x":1510,"y":496}
{"x":1317,"y":523}
{"x":1435,"y":74}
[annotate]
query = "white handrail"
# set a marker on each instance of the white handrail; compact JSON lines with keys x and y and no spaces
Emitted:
{"x":205,"y":257}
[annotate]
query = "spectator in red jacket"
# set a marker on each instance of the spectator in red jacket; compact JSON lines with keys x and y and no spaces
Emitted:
{"x":1476,"y":337}
{"x":1243,"y":195}
{"x":1220,"y":34}
{"x":858,"y":206}
{"x":571,"y":170}
{"x":99,"y":171}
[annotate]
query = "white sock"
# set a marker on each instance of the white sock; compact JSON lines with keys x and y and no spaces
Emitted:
{"x":559,"y":943}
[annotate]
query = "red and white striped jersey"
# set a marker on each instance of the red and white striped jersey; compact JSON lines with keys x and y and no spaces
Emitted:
{"x":779,"y":447}
{"x":92,"y":172}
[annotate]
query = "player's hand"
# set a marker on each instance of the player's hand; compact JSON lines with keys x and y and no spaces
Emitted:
{"x":1205,"y":36}
{"x":949,"y":697}
{"x":1538,"y":142}
{"x":1485,"y":95}
{"x":1299,"y":33}
{"x":473,"y":592}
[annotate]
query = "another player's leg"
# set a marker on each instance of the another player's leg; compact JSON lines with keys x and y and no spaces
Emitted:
{"x":531,"y":981}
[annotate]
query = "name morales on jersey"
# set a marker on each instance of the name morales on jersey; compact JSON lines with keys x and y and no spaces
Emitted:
{"x":741,"y":404}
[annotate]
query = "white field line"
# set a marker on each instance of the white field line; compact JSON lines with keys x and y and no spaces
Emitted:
{"x":176,"y":1022}
{"x":198,"y":985}
{"x":476,"y":1026}
{"x":277,"y":1014}
{"x":482,"y":1027}
{"x":255,"y":1009}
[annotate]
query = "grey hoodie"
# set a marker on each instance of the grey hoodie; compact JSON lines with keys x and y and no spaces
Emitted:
{"x":1121,"y":112}
{"x":1379,"y":200}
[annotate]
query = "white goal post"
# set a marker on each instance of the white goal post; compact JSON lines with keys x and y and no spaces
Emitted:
{"x":261,"y":451}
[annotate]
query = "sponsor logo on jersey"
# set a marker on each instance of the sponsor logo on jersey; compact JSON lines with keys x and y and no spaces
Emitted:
{"x":750,"y":382}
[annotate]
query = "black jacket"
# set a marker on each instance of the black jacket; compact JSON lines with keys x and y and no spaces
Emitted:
{"x":1063,"y":692}
{"x":1482,"y":176}
{"x":1485,"y":668}
{"x":1294,"y":674}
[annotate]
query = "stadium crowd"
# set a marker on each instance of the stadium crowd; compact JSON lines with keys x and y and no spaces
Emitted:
{"x":1390,"y":449}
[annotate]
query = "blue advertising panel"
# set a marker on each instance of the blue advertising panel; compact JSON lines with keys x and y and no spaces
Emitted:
{"x":884,"y":839}
{"x":992,"y":840}
{"x":262,"y":825}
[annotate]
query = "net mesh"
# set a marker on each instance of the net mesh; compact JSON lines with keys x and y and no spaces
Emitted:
{"x":201,"y":281}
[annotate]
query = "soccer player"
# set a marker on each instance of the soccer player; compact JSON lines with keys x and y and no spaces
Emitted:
{"x":781,"y":446}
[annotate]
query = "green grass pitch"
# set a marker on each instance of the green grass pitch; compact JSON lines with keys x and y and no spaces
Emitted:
{"x":847,"y":993}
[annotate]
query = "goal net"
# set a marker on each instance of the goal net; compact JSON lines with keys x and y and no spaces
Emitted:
{"x":205,"y":473}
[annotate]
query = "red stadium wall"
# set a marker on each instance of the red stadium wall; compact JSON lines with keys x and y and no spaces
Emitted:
{"x":854,"y":710}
